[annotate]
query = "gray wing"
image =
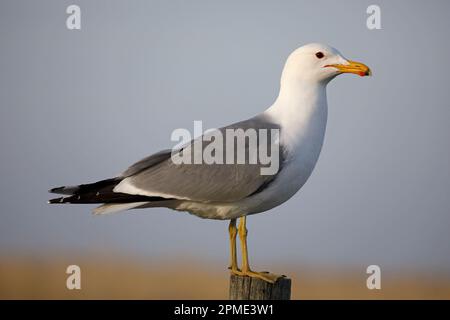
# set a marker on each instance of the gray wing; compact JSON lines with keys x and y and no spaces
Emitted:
{"x":147,"y":163}
{"x":159,"y":175}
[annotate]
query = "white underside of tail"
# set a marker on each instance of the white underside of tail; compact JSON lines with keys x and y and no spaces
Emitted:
{"x":116,"y":207}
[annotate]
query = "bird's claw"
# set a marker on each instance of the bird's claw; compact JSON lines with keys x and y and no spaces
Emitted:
{"x":264,"y":275}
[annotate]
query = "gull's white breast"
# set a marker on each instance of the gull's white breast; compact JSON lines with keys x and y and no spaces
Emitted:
{"x":303,"y":138}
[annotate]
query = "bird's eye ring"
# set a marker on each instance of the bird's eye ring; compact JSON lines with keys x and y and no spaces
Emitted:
{"x":320,"y":55}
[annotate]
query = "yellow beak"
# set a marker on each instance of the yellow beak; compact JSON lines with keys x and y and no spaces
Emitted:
{"x":353,"y":67}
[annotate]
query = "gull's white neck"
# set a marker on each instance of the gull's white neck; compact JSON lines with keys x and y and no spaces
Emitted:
{"x":301,"y":111}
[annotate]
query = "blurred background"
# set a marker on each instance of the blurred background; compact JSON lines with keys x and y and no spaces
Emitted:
{"x":77,"y":106}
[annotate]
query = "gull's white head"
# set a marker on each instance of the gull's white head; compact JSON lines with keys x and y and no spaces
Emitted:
{"x":319,"y":63}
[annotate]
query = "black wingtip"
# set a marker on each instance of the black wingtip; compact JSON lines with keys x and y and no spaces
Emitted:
{"x":56,"y":190}
{"x":67,"y":190}
{"x":56,"y":200}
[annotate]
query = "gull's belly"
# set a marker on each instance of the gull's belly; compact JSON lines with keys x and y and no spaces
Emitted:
{"x":291,"y":179}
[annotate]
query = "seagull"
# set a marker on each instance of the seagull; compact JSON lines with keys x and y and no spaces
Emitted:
{"x":233,"y":191}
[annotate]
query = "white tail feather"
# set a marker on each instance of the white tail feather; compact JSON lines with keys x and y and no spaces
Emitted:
{"x":116,"y":207}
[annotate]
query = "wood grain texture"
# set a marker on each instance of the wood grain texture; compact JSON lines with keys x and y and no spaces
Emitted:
{"x":246,"y":288}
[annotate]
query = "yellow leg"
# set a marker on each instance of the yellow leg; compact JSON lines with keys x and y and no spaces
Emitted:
{"x":233,"y":232}
{"x":243,"y":237}
{"x":246,"y":271}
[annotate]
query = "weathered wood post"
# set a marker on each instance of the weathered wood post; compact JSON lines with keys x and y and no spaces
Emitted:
{"x":246,"y":288}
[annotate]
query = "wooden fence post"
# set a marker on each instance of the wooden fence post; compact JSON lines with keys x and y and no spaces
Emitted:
{"x":247,"y":288}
